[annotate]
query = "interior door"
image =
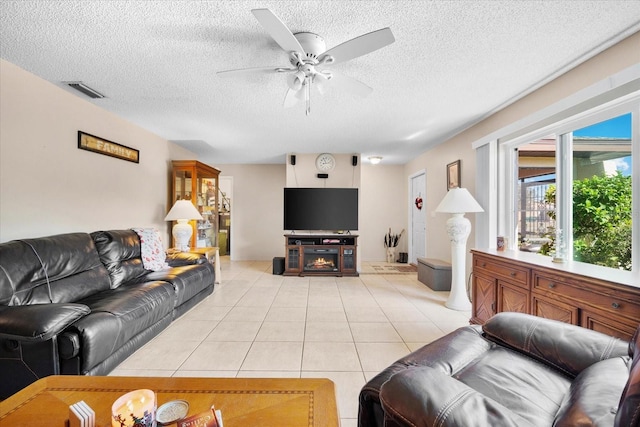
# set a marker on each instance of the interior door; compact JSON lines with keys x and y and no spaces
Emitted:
{"x":418,"y":217}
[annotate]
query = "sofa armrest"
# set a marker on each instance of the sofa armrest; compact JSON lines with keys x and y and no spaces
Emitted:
{"x":447,"y":354}
{"x":566,"y":347}
{"x":38,"y":322}
{"x":178,"y":259}
{"x":424,"y":396}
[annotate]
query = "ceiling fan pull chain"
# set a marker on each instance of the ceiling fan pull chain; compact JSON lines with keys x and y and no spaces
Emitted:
{"x":308,"y":95}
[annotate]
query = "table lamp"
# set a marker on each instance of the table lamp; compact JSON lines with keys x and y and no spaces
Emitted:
{"x":182,"y":211}
{"x":458,"y":201}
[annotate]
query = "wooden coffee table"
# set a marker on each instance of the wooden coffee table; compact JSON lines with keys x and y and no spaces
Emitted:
{"x":244,"y":402}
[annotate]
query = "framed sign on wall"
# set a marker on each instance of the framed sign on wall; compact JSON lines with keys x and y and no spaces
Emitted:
{"x":108,"y":148}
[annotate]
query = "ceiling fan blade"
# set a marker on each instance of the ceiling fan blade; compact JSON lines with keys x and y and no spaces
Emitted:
{"x":349,"y":84}
{"x":277,"y":30}
{"x":255,"y":70}
{"x":293,"y":97}
{"x":362,"y":45}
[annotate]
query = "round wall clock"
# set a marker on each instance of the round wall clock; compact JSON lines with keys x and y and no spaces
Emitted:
{"x":325,"y":162}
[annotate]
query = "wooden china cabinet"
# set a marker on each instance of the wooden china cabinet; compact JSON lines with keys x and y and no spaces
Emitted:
{"x":198,"y":182}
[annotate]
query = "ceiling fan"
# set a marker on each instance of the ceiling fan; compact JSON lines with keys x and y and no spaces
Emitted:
{"x":308,"y":57}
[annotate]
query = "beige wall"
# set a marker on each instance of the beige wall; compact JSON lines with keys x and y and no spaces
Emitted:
{"x":383,"y":204}
{"x":257,"y":204}
{"x":613,"y":60}
{"x":434,"y":163}
{"x":305,"y":174}
{"x":382,"y":197}
{"x":49,"y":186}
{"x":256,"y":210}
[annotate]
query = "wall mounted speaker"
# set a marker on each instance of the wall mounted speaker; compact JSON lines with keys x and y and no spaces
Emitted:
{"x":354,"y":160}
{"x":323,"y":175}
{"x":293,"y":159}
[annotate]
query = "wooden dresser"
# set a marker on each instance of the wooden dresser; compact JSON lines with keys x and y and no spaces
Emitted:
{"x":573,"y":292}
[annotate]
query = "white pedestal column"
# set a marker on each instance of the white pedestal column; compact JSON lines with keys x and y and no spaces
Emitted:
{"x":458,"y":229}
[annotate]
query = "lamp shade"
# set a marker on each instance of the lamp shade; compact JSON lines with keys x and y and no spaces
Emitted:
{"x":183,"y":209}
{"x":459,"y":200}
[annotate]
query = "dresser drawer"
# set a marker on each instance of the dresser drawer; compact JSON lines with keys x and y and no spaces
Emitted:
{"x":516,"y":276}
{"x":599,"y":296}
{"x":617,"y":327}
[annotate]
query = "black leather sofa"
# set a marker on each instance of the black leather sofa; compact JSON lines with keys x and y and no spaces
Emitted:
{"x":82,"y":303}
{"x":517,"y":370}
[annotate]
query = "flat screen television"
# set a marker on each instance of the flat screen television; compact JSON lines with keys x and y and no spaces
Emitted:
{"x":321,"y":209}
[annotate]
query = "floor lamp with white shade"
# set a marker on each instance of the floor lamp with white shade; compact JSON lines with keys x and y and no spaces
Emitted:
{"x":457,"y":202}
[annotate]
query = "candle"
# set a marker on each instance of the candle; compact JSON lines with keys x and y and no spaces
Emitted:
{"x":136,"y":408}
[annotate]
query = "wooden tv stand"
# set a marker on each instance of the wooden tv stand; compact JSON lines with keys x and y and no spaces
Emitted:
{"x":321,"y":255}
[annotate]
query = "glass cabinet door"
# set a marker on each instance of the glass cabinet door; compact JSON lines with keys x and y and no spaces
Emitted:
{"x":206,"y":193}
{"x":198,"y":182}
{"x":181,"y":186}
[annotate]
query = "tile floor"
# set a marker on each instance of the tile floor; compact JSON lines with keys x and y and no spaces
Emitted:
{"x":256,"y":324}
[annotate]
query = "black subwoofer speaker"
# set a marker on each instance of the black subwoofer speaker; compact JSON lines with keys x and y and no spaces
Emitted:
{"x":278,"y":265}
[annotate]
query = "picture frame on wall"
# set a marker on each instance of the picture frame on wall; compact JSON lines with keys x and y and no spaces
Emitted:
{"x":103,"y":146}
{"x":453,"y":175}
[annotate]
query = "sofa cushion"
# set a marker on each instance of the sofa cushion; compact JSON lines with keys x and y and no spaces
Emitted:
{"x":119,"y":251}
{"x":178,"y":259}
{"x":118,"y":315}
{"x":426,"y":397}
{"x":566,"y":347}
{"x":515,"y":381}
{"x":187,"y":281}
{"x":594,"y":395}
{"x":60,"y":269}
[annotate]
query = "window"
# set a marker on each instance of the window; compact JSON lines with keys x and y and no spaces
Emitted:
{"x":575,"y":197}
{"x":536,"y":176}
{"x":602,"y":193}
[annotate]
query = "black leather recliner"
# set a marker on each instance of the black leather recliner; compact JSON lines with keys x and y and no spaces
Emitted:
{"x":81,"y":304}
{"x":517,"y":370}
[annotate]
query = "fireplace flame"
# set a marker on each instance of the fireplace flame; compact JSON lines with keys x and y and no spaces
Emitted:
{"x":321,"y":263}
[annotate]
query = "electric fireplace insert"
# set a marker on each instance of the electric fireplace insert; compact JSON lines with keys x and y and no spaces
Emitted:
{"x":321,"y":259}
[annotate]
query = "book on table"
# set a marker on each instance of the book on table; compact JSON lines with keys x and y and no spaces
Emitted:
{"x":209,"y":418}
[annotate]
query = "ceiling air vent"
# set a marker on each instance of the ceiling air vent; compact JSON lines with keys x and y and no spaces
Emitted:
{"x":81,"y":87}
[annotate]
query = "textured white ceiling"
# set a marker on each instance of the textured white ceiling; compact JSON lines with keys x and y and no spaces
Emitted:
{"x":453,"y":63}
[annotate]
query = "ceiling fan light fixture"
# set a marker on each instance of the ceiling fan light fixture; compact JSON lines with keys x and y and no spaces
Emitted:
{"x":375,"y":159}
{"x":296,"y":80}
